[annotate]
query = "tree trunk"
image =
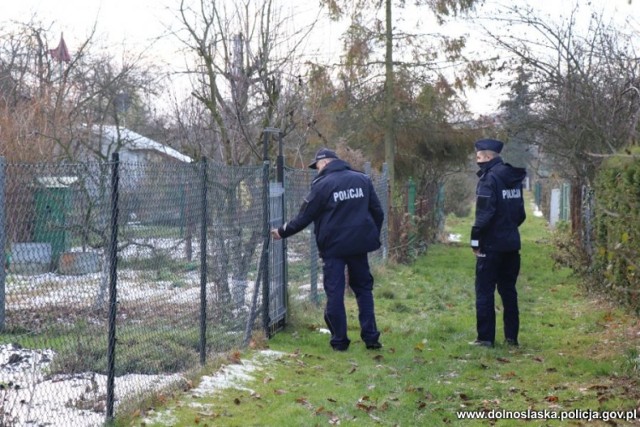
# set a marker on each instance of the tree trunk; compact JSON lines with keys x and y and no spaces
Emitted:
{"x":389,"y":134}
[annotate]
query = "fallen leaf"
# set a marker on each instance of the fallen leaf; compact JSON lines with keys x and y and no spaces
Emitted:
{"x":365,"y":407}
{"x":538,"y":359}
{"x":463,"y":396}
{"x":421,"y":404}
{"x":331,"y":399}
{"x":552,"y":399}
{"x":378,"y":357}
{"x":419,"y":346}
{"x":235,"y":357}
{"x":353,"y":369}
{"x":237,"y":401}
{"x":279,"y":391}
{"x":503,"y":360}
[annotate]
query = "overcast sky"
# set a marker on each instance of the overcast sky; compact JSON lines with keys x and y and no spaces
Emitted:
{"x":136,"y":24}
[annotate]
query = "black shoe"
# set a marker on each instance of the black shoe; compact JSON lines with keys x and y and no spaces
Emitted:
{"x":511,"y":342}
{"x":374,"y":346}
{"x":481,"y":343}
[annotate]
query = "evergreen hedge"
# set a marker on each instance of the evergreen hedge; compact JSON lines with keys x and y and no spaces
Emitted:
{"x":617,"y":228}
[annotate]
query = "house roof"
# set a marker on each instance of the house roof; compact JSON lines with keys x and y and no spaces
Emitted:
{"x":134,"y":141}
{"x":57,"y":181}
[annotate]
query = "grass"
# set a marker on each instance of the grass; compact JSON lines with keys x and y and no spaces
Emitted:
{"x":577,"y":353}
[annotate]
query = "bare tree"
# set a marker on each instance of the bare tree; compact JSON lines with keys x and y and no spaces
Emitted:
{"x":244,"y":64}
{"x":583,"y":89}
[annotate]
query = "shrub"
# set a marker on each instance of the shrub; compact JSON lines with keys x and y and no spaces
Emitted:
{"x":617,"y":234}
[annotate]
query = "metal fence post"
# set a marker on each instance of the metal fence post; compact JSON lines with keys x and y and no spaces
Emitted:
{"x":203,"y":263}
{"x":440,"y":216}
{"x":265,"y":231}
{"x":411,"y":211}
{"x":313,"y":266}
{"x":384,"y":200}
{"x":565,"y":202}
{"x":113,"y":266}
{"x":280,"y":179}
{"x":3,"y":243}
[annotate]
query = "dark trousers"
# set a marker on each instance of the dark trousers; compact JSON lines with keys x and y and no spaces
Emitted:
{"x":361,"y":282}
{"x":497,"y":269}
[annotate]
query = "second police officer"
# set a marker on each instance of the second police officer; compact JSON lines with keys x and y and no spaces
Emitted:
{"x":495,"y":240}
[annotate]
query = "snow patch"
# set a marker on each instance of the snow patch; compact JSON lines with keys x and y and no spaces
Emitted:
{"x":233,"y":376}
{"x":30,"y":396}
{"x":457,"y":238}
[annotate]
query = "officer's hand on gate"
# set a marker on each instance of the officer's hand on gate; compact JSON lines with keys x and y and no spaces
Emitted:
{"x":275,"y":234}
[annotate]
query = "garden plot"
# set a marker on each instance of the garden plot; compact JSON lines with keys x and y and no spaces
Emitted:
{"x":32,"y":398}
{"x":31,"y":395}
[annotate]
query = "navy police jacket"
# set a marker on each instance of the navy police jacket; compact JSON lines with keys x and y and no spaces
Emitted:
{"x":499,"y":208}
{"x":345,"y":210}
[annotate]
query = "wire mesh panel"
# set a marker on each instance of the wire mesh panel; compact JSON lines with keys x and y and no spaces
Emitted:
{"x":53,"y":343}
{"x":302,"y":253}
{"x":277,"y":282}
{"x":235,"y":245}
{"x":158,"y":280}
{"x":381,"y":185}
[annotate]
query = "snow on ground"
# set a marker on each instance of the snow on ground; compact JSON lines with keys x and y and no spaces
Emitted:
{"x":32,"y":398}
{"x":235,"y":376}
{"x":29,"y":396}
{"x":454,"y":237}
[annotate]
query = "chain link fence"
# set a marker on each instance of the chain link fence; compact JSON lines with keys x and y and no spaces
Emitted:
{"x":120,"y":278}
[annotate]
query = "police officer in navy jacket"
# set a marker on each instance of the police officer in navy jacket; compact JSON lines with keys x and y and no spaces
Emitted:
{"x":347,"y":217}
{"x":495,"y":241}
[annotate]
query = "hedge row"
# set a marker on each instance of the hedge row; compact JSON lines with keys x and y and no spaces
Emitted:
{"x":617,"y":255}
